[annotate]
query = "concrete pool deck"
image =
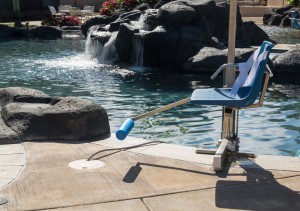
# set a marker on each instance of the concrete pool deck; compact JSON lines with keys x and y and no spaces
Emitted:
{"x":36,"y":176}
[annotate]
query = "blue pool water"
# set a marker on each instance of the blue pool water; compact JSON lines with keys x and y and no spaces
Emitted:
{"x":285,"y":35}
{"x":60,"y":68}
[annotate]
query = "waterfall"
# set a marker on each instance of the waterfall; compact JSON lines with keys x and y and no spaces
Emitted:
{"x":108,"y":53}
{"x":140,"y":24}
{"x":104,"y":54}
{"x":92,"y":47}
{"x":138,"y":54}
{"x":138,"y":44}
{"x":138,"y":50}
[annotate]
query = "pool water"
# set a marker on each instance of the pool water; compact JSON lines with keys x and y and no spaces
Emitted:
{"x":282,"y":35}
{"x":61,"y":68}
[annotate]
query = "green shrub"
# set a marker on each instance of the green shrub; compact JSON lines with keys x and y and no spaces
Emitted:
{"x":293,"y":2}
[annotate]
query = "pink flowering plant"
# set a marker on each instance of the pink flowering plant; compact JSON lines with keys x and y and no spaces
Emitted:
{"x":62,"y":21}
{"x":70,"y":21}
{"x":110,"y":6}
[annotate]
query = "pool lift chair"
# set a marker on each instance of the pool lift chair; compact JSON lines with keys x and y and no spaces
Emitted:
{"x":294,"y":20}
{"x":243,"y":94}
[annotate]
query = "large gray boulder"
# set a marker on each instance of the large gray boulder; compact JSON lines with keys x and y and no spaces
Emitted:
{"x":8,"y":95}
{"x":159,"y":3}
{"x":131,"y":15}
{"x":218,"y":19}
{"x":283,"y":10}
{"x":253,"y":34}
{"x":45,"y":32}
{"x":288,"y":62}
{"x":33,"y":115}
{"x":160,"y":48}
{"x":209,"y":59}
{"x":124,"y":44}
{"x":202,"y":7}
{"x":279,"y":16}
{"x":176,"y":13}
{"x":275,"y":19}
{"x":150,"y":20}
{"x":99,"y":20}
{"x":5,"y":31}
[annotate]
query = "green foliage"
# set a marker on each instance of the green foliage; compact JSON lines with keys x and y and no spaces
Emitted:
{"x":110,"y":6}
{"x":293,"y":2}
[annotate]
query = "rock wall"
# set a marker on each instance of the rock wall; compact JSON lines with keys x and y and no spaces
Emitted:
{"x":279,"y":16}
{"x":172,"y":33}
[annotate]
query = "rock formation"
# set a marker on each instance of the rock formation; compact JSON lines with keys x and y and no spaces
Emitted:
{"x":171,"y":35}
{"x":28,"y":115}
{"x":288,"y":62}
{"x":279,"y":16}
{"x":40,"y":32}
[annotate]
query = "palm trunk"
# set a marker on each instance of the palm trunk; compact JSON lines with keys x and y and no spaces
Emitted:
{"x":17,"y":16}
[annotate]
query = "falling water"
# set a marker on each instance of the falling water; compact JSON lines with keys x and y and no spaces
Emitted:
{"x":140,"y":24}
{"x":93,"y":48}
{"x":138,"y":50}
{"x":108,"y":53}
{"x":105,"y":54}
{"x":138,"y":45}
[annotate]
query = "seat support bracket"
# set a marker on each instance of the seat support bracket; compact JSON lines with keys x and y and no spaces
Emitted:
{"x":225,"y":150}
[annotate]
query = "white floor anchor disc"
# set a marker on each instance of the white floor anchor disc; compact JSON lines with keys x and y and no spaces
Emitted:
{"x":3,"y":201}
{"x":85,"y":164}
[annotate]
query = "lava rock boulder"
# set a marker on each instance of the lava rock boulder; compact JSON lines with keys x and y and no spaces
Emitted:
{"x":33,"y":115}
{"x":288,"y":62}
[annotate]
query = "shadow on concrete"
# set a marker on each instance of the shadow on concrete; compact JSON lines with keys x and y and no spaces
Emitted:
{"x":134,"y":171}
{"x":260,"y":192}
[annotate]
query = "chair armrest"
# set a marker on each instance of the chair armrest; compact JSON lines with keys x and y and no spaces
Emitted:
{"x":294,"y":19}
{"x":222,"y":68}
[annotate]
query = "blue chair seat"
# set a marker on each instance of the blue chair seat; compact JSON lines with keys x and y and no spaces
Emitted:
{"x":221,"y":97}
{"x":246,"y":88}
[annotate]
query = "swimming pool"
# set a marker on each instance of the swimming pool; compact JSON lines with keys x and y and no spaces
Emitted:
{"x":285,"y":35}
{"x":60,"y":68}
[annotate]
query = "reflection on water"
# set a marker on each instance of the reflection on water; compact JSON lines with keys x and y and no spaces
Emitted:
{"x":60,"y":68}
{"x":285,"y":35}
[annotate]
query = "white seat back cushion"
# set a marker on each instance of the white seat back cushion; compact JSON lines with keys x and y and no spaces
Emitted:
{"x":244,"y":79}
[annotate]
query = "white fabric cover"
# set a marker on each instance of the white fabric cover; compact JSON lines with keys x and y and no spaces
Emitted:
{"x":244,"y":79}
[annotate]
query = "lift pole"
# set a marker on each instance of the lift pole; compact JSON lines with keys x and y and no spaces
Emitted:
{"x":229,"y":129}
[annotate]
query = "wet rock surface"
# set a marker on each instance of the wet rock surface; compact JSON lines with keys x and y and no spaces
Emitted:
{"x":209,"y":59}
{"x":45,"y":32}
{"x":28,"y":114}
{"x":40,"y":32}
{"x":102,"y":20}
{"x":279,"y":16}
{"x":5,"y":31}
{"x":173,"y":34}
{"x":288,"y":62}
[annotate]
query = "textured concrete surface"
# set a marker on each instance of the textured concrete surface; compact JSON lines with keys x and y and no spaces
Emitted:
{"x":12,"y":161}
{"x":156,"y":177}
